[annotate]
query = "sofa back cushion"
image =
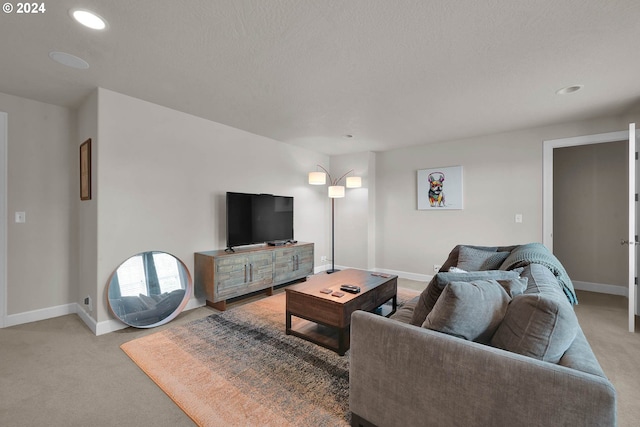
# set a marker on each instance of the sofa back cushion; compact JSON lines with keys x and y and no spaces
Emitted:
{"x":472,"y":259}
{"x":540,"y":325}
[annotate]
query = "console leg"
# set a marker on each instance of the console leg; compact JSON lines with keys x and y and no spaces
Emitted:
{"x":220,"y":305}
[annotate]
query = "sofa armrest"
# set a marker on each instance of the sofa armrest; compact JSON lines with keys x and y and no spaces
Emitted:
{"x":403,"y":375}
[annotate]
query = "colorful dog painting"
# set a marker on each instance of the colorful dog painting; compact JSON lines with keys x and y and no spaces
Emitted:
{"x":431,"y":188}
{"x":436,"y":190}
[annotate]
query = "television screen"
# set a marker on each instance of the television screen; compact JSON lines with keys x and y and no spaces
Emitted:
{"x":258,"y":218}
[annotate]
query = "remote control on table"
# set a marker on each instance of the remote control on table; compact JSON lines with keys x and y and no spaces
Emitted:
{"x":338,"y":294}
{"x":325,"y":291}
{"x":350,"y":288}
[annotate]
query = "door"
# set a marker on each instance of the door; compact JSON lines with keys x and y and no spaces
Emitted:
{"x":632,"y":238}
{"x":547,"y":225}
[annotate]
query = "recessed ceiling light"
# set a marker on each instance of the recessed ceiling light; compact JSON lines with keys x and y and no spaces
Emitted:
{"x":569,"y":89}
{"x":88,"y":19}
{"x":69,"y":60}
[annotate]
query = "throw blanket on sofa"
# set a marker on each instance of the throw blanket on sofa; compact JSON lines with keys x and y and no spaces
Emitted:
{"x":538,"y":253}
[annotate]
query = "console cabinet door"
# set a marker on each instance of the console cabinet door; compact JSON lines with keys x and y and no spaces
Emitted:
{"x":293,"y":263}
{"x":260,"y":271}
{"x":237,"y":275}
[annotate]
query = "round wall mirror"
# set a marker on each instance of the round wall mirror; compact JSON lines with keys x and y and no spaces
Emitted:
{"x":149,"y":289}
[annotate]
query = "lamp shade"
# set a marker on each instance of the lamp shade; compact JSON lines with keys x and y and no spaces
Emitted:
{"x":336,"y":191}
{"x":317,"y":178}
{"x":354,"y":182}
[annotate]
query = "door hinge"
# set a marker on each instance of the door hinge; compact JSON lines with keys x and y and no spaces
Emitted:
{"x":636,"y":155}
{"x":635,"y":280}
{"x":636,"y":197}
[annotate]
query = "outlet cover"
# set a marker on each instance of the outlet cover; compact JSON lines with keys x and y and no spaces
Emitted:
{"x":436,"y":268}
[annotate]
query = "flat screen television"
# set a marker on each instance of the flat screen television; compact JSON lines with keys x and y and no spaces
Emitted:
{"x":258,"y":218}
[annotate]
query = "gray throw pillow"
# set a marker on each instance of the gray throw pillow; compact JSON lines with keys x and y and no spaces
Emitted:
{"x":469,"y":310}
{"x":430,"y":295}
{"x":541,"y":326}
{"x":472,"y":259}
{"x":541,"y":280}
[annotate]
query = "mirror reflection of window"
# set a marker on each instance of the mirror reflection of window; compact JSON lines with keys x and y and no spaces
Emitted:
{"x":167,"y":271}
{"x":131,"y":277}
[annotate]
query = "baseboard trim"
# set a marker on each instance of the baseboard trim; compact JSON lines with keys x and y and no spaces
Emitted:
{"x":601,"y":288}
{"x":401,"y":274}
{"x":98,"y":328}
{"x":406,"y":274}
{"x":41,"y":314}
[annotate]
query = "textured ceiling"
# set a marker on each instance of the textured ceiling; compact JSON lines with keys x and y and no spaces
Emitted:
{"x":306,"y":72}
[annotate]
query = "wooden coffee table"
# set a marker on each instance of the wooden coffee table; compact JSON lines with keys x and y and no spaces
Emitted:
{"x":325,"y":319}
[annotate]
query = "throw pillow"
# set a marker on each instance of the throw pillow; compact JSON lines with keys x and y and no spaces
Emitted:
{"x":430,"y":295}
{"x":537,"y":325}
{"x":469,"y":310}
{"x":472,"y":259}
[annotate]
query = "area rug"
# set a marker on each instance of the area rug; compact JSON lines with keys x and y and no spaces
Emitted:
{"x":239,"y":368}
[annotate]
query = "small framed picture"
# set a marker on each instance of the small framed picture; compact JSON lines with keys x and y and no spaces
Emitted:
{"x":85,"y":170}
{"x":440,"y":188}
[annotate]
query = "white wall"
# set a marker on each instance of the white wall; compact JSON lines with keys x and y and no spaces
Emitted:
{"x":162,"y":178}
{"x":502,"y":176}
{"x":85,"y":212}
{"x":40,"y":278}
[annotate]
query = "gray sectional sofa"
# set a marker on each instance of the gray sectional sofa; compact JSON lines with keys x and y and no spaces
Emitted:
{"x":495,"y":342}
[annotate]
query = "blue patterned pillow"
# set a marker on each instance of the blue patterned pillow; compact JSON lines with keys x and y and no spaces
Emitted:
{"x":472,"y":259}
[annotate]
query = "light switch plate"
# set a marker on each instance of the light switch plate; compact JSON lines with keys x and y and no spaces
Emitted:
{"x":21,"y":217}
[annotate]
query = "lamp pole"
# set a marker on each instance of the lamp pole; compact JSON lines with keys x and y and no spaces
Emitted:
{"x":333,"y":236}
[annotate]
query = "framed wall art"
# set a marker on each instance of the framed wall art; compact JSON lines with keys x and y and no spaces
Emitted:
{"x":440,"y":188}
{"x":85,"y":170}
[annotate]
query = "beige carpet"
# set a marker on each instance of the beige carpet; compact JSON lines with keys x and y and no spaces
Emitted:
{"x":240,"y":368}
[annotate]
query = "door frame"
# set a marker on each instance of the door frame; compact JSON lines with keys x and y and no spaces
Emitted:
{"x":547,"y":173}
{"x":3,"y":215}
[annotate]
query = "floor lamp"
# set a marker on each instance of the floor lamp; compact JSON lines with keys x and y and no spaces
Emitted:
{"x":336,"y":191}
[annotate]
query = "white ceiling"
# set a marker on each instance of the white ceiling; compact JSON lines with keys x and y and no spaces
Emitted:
{"x":392,"y":73}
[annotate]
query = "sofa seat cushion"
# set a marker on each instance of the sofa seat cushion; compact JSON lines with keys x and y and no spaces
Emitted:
{"x":473,"y":259}
{"x":404,"y":313}
{"x":539,"y":325}
{"x":432,"y":292}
